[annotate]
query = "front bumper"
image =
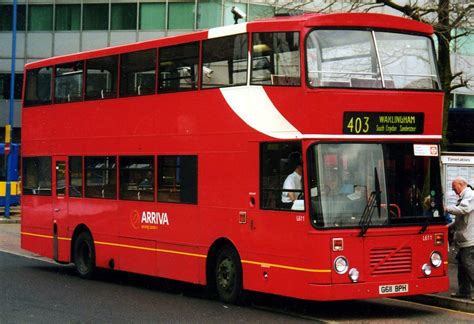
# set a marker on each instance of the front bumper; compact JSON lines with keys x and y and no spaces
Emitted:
{"x":365,"y":290}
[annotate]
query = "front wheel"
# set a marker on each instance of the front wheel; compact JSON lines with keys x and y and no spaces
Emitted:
{"x":84,"y":255}
{"x":228,"y":275}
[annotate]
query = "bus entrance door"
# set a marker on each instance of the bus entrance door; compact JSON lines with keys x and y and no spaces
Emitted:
{"x":60,"y":207}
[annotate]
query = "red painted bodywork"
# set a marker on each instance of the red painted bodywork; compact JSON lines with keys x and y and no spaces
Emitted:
{"x":276,"y":250}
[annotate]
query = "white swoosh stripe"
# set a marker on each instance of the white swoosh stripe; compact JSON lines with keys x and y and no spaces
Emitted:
{"x":254,"y":107}
{"x":227,"y":30}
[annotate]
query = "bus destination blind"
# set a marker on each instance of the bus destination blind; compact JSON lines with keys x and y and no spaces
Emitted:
{"x":382,"y":123}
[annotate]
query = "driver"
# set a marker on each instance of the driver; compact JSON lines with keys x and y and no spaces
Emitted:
{"x":293,"y":181}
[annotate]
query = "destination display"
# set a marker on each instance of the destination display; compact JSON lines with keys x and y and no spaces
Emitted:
{"x":386,"y":123}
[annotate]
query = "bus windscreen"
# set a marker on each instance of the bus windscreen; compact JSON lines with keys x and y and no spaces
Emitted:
{"x":370,"y":59}
{"x":347,"y":175}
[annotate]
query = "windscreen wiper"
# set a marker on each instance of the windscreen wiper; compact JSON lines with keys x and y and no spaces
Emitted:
{"x":427,"y":221}
{"x":373,"y":202}
{"x":378,"y":193}
{"x":425,"y":225}
{"x":366,"y":217}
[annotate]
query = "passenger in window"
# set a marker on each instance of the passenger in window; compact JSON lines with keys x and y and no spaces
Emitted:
{"x":293,"y":181}
{"x":415,"y":201}
{"x":147,"y":182}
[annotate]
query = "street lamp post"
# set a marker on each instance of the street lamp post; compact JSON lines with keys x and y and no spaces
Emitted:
{"x":8,"y":127}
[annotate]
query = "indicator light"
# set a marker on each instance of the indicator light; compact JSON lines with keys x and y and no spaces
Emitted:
{"x":337,"y":244}
{"x":439,"y":239}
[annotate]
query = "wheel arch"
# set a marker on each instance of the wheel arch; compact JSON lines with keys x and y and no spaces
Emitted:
{"x":212,"y":256}
{"x":78,"y":230}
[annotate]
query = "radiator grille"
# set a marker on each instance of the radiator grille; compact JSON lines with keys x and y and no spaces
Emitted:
{"x":385,"y":261}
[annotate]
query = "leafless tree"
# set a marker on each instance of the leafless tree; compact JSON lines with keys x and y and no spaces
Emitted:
{"x":451,"y":20}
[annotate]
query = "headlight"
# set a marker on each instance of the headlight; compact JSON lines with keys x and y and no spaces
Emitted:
{"x":426,"y":269}
{"x":341,"y":265}
{"x":354,"y":274}
{"x":436,"y":259}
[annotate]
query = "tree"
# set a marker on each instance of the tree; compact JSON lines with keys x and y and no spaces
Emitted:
{"x":447,"y":17}
{"x":451,"y":20}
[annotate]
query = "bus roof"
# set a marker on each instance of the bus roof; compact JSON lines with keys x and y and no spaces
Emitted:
{"x":280,"y":23}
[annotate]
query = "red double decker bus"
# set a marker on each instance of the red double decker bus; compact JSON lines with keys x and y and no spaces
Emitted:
{"x":295,"y":156}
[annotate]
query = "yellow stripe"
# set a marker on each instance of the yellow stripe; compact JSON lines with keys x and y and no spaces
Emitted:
{"x":46,"y":236}
{"x":151,"y":249}
{"x":263,"y":264}
{"x":37,"y":235}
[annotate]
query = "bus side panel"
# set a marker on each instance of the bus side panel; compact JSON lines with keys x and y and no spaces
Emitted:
{"x":105,"y":254}
{"x":64,"y":250}
{"x":138,"y":256}
{"x":159,"y":239}
{"x":37,"y":225}
{"x":277,"y":270}
{"x":100,"y":218}
{"x":42,"y":245}
{"x":61,"y":240}
{"x":285,"y":282}
{"x":279,"y":252}
{"x":224,"y":194}
{"x":177,"y":249}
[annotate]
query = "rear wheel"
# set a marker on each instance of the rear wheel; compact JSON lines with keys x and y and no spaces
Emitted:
{"x":84,"y":255}
{"x":228,"y":275}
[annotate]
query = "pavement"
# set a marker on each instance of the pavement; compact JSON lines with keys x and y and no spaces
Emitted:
{"x":10,"y":242}
{"x":14,"y":215}
{"x":444,"y":299}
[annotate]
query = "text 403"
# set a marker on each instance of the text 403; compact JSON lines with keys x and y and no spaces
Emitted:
{"x":358,"y":125}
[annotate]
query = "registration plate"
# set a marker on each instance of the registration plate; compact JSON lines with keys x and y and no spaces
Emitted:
{"x":393,"y":289}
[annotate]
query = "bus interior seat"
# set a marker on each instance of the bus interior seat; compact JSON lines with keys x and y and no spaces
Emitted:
{"x":285,"y":80}
{"x":336,"y":84}
{"x":371,"y":83}
{"x":366,"y":83}
{"x":390,"y":84}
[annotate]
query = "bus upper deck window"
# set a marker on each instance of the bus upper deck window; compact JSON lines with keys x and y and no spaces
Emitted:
{"x":276,"y":59}
{"x":225,"y":61}
{"x":68,"y":82}
{"x":138,"y":73}
{"x":38,"y":86}
{"x":178,"y":70}
{"x":101,"y":77}
{"x":408,"y":61}
{"x":342,"y":59}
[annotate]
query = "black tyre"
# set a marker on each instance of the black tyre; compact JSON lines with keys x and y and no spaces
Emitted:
{"x":228,"y":275}
{"x":84,"y":255}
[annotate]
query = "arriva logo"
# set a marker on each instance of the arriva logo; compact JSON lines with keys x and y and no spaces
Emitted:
{"x":148,"y":220}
